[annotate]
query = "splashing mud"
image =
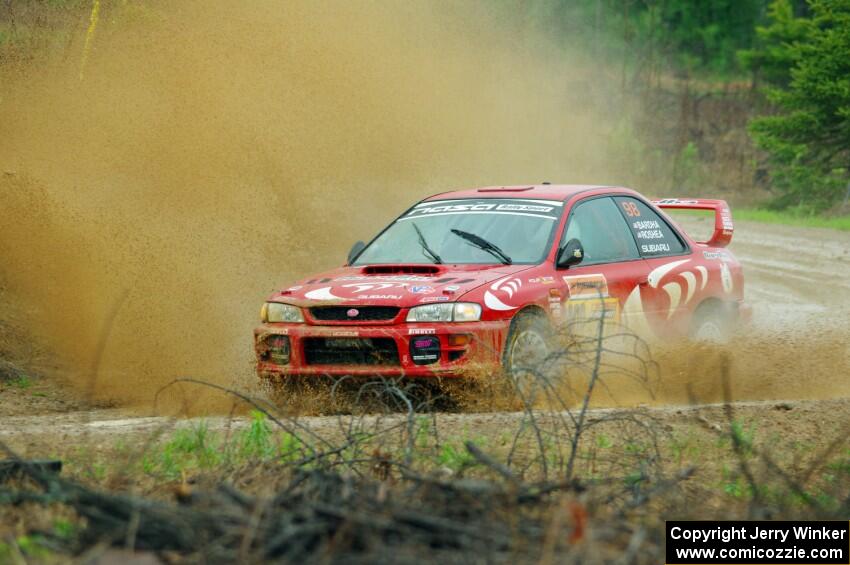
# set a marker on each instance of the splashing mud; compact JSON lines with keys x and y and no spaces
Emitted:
{"x":214,"y":150}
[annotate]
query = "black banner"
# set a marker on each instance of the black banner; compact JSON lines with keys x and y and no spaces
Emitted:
{"x":758,"y":542}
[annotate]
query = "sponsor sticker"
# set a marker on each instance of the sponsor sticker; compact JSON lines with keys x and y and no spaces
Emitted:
{"x":344,"y":334}
{"x":507,"y":287}
{"x":587,"y":286}
{"x":435,"y":299}
{"x":420,"y":289}
{"x":606,"y":308}
{"x":452,"y":288}
{"x":726,"y":278}
{"x":715,"y":255}
{"x":647,"y":248}
{"x":542,"y":280}
{"x":513,"y":206}
{"x":379,"y":297}
{"x":421,"y":331}
{"x":646,"y":225}
{"x":726,"y":219}
{"x":677,"y":201}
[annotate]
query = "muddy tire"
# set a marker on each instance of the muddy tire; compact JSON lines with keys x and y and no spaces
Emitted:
{"x":711,"y":324}
{"x":528,"y":350}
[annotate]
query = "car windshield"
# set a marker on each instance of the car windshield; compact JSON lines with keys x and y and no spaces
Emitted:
{"x":474,"y":231}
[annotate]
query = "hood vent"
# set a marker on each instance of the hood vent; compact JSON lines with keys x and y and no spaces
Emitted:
{"x":400,"y":270}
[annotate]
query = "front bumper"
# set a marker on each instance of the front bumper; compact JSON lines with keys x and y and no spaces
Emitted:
{"x":455,"y":359}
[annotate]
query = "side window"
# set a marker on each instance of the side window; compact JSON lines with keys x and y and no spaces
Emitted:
{"x":602,"y":231}
{"x":655,"y":237}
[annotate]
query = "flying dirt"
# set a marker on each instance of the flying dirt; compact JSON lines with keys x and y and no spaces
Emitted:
{"x":795,"y":349}
{"x":212,"y":152}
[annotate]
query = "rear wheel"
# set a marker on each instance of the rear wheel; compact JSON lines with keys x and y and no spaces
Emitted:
{"x":711,"y":324}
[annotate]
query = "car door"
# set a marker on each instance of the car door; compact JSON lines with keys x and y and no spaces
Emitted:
{"x":672,"y":280}
{"x":611,"y":267}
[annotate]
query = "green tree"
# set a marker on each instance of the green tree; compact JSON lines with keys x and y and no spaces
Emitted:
{"x":706,"y":35}
{"x":808,"y":140}
{"x":775,"y":54}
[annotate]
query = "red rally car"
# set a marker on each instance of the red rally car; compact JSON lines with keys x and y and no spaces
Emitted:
{"x":481,"y":277}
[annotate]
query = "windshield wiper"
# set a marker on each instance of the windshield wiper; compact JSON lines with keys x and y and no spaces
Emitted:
{"x":425,"y":249}
{"x":484,"y":245}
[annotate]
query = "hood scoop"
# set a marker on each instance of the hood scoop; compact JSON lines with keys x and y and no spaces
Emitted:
{"x":401,"y":270}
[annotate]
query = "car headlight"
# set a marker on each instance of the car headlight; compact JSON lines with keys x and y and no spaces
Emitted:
{"x":457,"y":312}
{"x":277,"y":312}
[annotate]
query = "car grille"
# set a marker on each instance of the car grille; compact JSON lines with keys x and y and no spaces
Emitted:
{"x":350,"y":351}
{"x":364,"y":313}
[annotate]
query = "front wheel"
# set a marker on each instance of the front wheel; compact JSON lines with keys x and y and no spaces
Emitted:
{"x":527,"y":351}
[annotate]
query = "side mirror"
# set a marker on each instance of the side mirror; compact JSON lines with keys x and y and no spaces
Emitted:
{"x":570,"y":254}
{"x":356,"y":249}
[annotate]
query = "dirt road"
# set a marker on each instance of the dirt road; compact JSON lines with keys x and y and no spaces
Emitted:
{"x":795,"y":276}
{"x":798,"y":281}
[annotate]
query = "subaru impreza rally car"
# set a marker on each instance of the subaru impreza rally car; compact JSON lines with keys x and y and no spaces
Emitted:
{"x":483,"y":276}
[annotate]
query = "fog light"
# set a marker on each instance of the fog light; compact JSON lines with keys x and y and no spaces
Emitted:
{"x":458,"y":340}
{"x":277,"y":349}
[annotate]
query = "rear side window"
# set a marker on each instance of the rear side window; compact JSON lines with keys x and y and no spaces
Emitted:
{"x":602,"y":232}
{"x":654,"y":236}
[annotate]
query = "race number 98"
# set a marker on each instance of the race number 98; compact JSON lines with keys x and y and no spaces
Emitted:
{"x":631,"y":209}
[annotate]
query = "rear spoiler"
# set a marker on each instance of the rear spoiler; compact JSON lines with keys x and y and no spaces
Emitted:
{"x":723,"y":227}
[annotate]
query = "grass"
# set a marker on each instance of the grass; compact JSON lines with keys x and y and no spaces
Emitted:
{"x":792,"y":218}
{"x":22,"y":382}
{"x":197,"y":448}
{"x":616,"y":466}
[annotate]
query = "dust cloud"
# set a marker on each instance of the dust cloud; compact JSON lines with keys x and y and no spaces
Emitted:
{"x":214,"y":150}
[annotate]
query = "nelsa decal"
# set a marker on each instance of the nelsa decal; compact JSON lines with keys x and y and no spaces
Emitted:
{"x":477,"y":207}
{"x":502,"y":206}
{"x":435,"y":299}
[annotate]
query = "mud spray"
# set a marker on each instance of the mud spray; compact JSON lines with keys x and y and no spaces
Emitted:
{"x":214,"y":150}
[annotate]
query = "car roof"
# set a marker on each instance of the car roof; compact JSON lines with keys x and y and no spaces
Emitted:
{"x":539,"y":191}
